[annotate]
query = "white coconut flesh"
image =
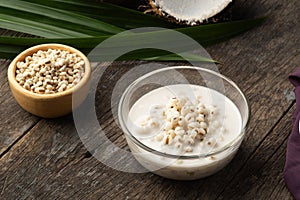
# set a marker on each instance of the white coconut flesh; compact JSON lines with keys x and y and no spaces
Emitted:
{"x":191,"y":11}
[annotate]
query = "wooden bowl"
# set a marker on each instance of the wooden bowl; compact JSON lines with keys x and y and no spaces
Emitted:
{"x":48,"y":105}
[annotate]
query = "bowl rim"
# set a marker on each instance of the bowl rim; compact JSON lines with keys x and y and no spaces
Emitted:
{"x":30,"y":51}
{"x":184,"y":157}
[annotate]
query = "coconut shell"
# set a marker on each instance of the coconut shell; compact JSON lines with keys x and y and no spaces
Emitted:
{"x":223,"y":15}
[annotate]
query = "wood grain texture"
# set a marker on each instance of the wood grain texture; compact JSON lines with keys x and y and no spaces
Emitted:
{"x":50,"y":162}
{"x":262,"y":172}
{"x":14,"y":121}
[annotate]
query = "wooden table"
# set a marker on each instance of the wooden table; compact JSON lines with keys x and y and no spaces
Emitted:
{"x":45,"y":159}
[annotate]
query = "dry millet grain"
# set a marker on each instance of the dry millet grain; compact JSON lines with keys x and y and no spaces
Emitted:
{"x":51,"y":71}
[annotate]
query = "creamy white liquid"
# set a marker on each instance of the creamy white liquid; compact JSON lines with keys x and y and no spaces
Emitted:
{"x":228,"y":117}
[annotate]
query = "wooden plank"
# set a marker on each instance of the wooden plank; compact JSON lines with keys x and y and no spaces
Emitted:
{"x":44,"y":151}
{"x":259,"y":62}
{"x":263,"y":71}
{"x":50,"y":161}
{"x":261,"y":176}
{"x":14,"y":121}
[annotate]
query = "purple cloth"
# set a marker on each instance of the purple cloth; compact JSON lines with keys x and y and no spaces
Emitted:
{"x":292,"y":164}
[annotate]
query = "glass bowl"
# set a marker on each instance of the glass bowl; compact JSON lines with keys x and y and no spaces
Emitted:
{"x":183,"y":167}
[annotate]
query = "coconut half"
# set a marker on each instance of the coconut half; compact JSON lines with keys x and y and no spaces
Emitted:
{"x":190,"y":11}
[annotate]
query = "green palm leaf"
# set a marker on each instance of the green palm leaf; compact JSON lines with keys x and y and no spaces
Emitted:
{"x":109,"y":13}
{"x":59,"y":14}
{"x":33,"y":27}
{"x":87,"y":24}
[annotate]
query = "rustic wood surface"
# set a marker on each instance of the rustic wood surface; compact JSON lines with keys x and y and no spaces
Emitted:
{"x":45,"y":159}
